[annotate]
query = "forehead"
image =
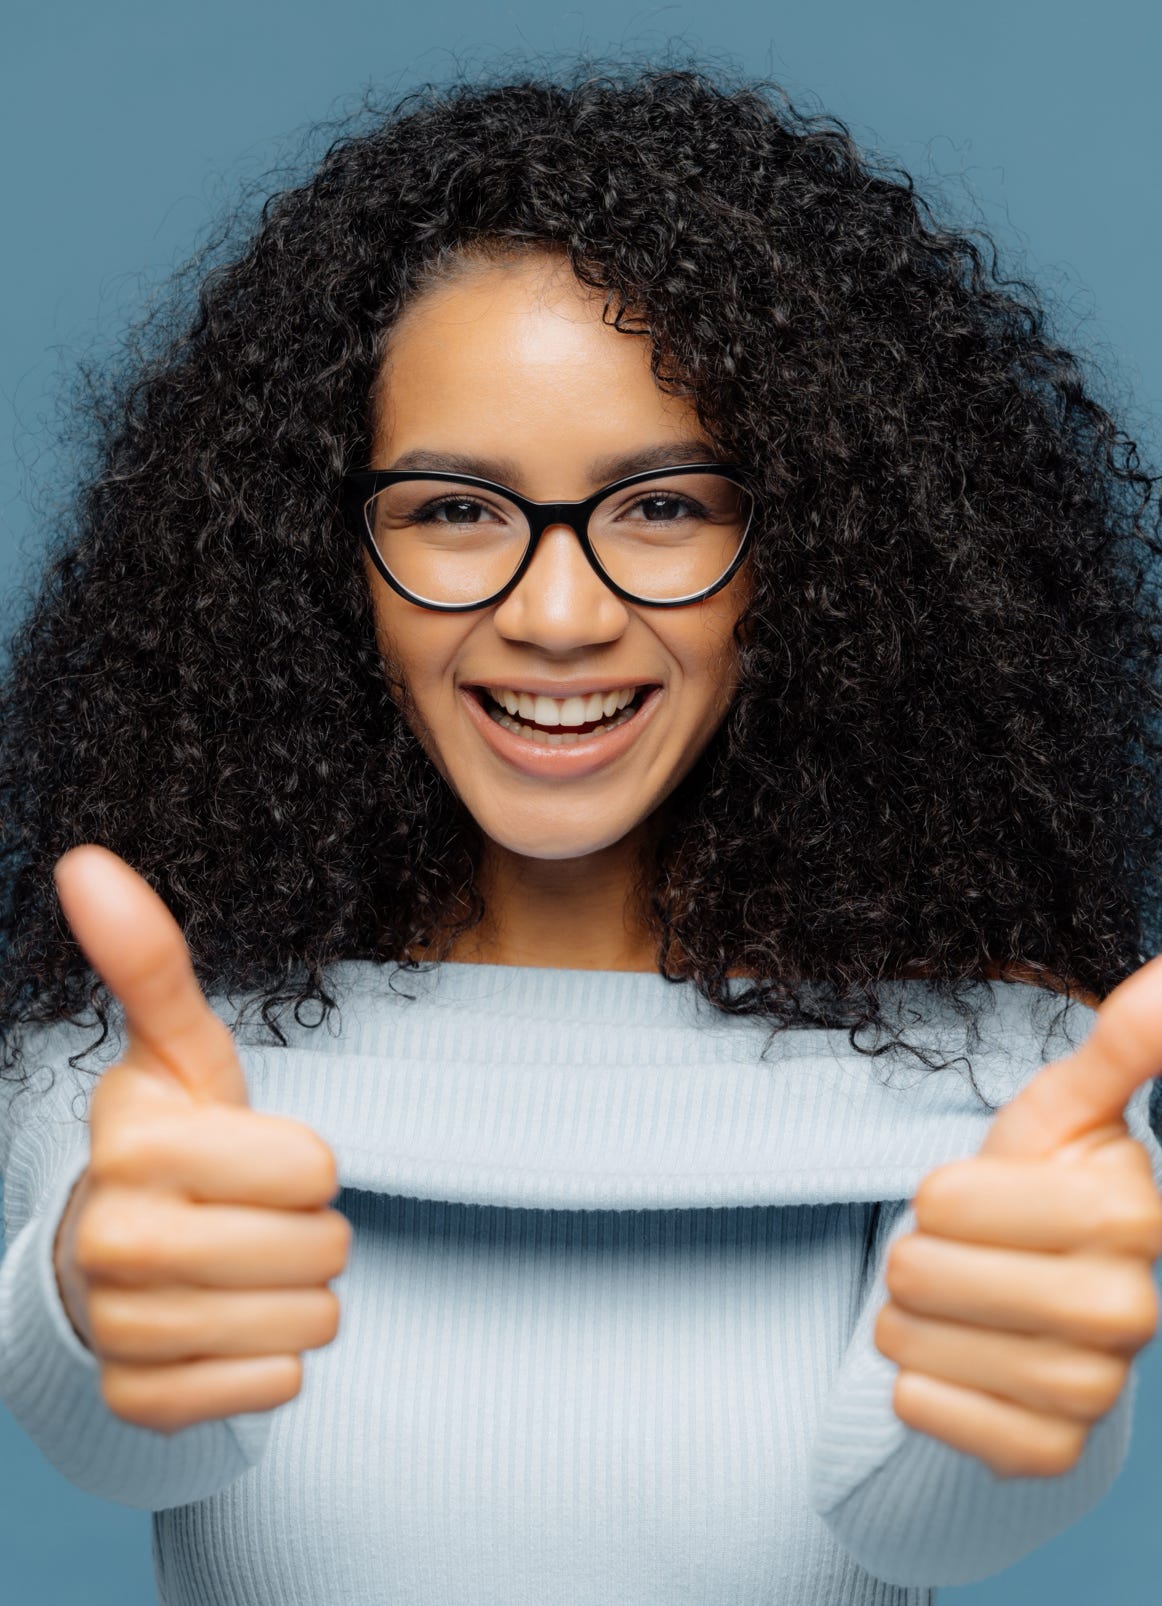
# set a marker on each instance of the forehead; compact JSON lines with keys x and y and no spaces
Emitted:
{"x":519,"y":349}
{"x":467,"y":281}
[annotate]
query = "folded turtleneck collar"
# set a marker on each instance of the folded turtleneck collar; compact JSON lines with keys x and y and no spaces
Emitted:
{"x":581,"y":1089}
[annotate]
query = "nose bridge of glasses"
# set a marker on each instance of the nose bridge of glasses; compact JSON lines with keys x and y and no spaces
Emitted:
{"x":556,"y":533}
{"x":543,"y":518}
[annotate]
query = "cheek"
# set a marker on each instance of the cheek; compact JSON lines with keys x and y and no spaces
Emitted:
{"x":399,"y":668}
{"x":718,"y":672}
{"x":418,"y":654}
{"x":400,"y":638}
{"x":394,"y":669}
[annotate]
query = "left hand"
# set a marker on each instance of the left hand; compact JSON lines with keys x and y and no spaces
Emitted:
{"x":1018,"y":1305}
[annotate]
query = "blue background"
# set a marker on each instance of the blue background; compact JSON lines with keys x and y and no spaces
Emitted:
{"x":127,"y":127}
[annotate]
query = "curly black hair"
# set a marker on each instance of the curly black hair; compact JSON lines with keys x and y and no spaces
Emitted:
{"x":940,"y":762}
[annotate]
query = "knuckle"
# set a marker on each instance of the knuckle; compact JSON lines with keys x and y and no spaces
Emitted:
{"x":120,"y":1152}
{"x":1151,"y":1238}
{"x":1124,"y":1309}
{"x":95,"y":1239}
{"x":901,"y":1271}
{"x":342,"y":1234}
{"x":1139,"y":1157}
{"x":939,"y":1188}
{"x":328,"y":1169}
{"x":890,"y":1333}
{"x":108,"y":1239}
{"x":116,"y":1393}
{"x":1133,"y":1221}
{"x":1142,"y":1321}
{"x":882,"y":1333}
{"x":1147,"y":1225}
{"x":127,"y":1393}
{"x":112,"y":1322}
{"x":326,"y":1325}
{"x":292,"y":1378}
{"x":1065,"y":1448}
{"x":1088,"y":1385}
{"x":902,"y":1399}
{"x":317,"y":1163}
{"x":1056,"y":1450}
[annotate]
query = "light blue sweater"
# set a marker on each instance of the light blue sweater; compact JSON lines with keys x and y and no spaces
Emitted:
{"x":606,"y":1321}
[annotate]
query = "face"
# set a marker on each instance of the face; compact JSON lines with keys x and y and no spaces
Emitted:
{"x":511,"y":365}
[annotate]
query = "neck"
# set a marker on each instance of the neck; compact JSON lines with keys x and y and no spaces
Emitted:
{"x":572,"y":914}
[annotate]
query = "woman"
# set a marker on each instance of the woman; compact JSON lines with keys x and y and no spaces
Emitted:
{"x":637,"y":409}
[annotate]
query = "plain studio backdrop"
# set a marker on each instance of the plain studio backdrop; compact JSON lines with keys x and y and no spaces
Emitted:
{"x":129,"y":125}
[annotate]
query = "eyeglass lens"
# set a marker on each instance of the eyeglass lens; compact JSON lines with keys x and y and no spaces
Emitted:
{"x":445,"y":541}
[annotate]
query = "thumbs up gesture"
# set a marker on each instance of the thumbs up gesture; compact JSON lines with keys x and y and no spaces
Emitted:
{"x":194,"y":1252}
{"x":1019,"y":1302}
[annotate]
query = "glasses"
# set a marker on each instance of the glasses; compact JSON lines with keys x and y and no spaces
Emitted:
{"x":664,"y":538}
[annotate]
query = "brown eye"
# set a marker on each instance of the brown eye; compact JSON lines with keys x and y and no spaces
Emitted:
{"x":429,"y":514}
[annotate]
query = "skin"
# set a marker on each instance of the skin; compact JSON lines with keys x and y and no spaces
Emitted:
{"x":999,"y":1352}
{"x":562,"y":388}
{"x":1017,"y":1305}
{"x":194,"y":1256}
{"x":512,"y":361}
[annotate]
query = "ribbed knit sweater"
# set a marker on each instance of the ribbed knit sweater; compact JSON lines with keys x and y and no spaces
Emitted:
{"x":606,"y":1330}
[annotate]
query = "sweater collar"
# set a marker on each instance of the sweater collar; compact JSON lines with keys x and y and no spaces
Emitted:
{"x":561,"y":1089}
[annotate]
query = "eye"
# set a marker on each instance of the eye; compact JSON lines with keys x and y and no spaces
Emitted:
{"x":464,"y":504}
{"x":663,"y":504}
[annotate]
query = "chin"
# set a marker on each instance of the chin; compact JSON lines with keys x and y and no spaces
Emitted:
{"x":552,"y":842}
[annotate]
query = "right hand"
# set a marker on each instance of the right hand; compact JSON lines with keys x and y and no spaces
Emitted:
{"x":195,"y":1250}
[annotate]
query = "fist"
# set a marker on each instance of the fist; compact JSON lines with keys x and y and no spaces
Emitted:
{"x":1018,"y":1303}
{"x":194,"y":1254}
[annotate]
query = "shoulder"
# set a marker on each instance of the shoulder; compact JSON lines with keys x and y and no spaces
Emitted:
{"x":1016,"y":972}
{"x":1035,"y":978}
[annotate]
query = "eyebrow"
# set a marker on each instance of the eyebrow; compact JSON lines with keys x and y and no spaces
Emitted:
{"x":602,"y":470}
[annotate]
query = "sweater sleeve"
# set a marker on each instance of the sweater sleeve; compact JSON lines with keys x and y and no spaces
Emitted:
{"x":49,"y":1379}
{"x":913,"y":1510}
{"x":909,"y":1507}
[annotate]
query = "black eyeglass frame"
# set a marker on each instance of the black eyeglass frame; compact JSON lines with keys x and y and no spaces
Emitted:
{"x":358,"y":488}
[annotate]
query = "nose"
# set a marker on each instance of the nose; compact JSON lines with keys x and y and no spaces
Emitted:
{"x":560,"y":602}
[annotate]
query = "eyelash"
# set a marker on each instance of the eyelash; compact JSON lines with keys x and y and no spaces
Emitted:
{"x":425,"y":514}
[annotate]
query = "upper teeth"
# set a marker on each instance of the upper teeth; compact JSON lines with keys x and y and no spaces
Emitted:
{"x":555,"y":711}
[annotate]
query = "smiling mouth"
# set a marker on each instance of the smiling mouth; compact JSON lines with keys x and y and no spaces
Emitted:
{"x":558,"y":735}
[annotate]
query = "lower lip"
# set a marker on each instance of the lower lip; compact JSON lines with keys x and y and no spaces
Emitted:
{"x":577,"y":758}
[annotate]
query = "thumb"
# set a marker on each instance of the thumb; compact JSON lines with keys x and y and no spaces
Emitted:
{"x":136,"y":947}
{"x":1077,"y":1105}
